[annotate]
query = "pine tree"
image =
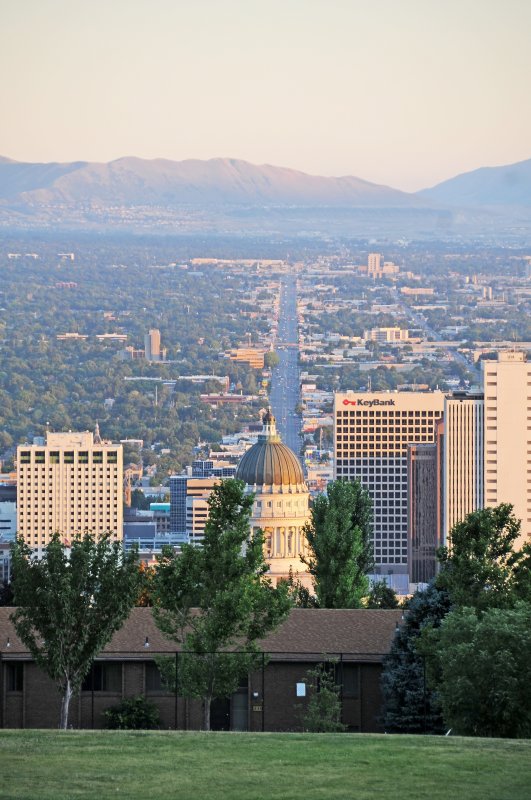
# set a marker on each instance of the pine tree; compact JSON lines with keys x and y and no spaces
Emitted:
{"x":410,"y":706}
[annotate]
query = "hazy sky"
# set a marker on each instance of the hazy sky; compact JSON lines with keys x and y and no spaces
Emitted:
{"x":403,"y":92}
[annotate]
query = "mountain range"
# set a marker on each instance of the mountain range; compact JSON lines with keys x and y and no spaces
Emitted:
{"x":74,"y":192}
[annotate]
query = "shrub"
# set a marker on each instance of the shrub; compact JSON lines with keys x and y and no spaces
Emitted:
{"x":133,"y":713}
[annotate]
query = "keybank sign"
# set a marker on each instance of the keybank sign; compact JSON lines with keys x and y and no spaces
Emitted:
{"x":368,"y":403}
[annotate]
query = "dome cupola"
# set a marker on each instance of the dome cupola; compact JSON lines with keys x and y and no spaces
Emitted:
{"x":269,"y":465}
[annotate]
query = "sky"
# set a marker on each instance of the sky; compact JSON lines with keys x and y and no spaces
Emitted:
{"x":401,"y":92}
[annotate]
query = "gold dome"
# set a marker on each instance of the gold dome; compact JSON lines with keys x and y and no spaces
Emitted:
{"x":269,"y":462}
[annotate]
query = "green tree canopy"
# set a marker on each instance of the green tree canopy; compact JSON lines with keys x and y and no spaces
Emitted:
{"x":480,"y":568}
{"x":339,"y":543}
{"x":70,"y":603}
{"x":216,"y":598}
{"x":382,"y":596}
{"x":271,"y":359}
{"x":480,"y":667}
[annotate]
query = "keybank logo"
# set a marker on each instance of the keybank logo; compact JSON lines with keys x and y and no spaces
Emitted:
{"x":368,"y":403}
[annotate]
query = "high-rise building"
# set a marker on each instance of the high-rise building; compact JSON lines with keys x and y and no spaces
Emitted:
{"x":463,"y":458}
{"x":71,"y":484}
{"x":152,"y":349}
{"x":507,"y":447}
{"x":374,"y":264}
{"x":189,"y":505}
{"x":372,"y":432}
{"x":423,"y":506}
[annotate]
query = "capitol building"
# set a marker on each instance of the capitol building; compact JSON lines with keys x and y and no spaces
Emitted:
{"x":273,"y":473}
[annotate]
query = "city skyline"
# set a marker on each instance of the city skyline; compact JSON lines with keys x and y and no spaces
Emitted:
{"x":407,"y":95}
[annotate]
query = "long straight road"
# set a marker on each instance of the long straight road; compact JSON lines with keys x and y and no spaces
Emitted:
{"x":285,"y":387}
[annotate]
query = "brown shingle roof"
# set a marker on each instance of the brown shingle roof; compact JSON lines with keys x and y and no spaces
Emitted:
{"x":362,"y":633}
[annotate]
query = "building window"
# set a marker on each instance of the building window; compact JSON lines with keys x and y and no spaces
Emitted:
{"x":15,"y":677}
{"x":104,"y":677}
{"x":154,"y":682}
{"x":351,"y":679}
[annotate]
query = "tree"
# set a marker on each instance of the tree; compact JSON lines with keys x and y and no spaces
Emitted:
{"x":271,"y":359}
{"x":480,"y":569}
{"x":339,"y":541}
{"x":409,"y":705}
{"x":70,"y":603}
{"x":215,"y":599}
{"x":300,"y":596}
{"x":323,"y":710}
{"x":382,"y":596}
{"x":480,"y":667}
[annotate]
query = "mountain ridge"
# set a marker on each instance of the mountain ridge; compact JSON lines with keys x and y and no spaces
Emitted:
{"x":131,"y":181}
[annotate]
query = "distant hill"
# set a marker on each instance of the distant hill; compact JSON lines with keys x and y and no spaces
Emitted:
{"x":135,"y":181}
{"x":489,"y":186}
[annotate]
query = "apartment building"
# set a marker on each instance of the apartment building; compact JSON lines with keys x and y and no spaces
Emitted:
{"x":71,"y":484}
{"x":507,"y":447}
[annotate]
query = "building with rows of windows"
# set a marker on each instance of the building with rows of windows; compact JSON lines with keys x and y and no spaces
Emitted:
{"x":372,"y":434}
{"x":71,"y":484}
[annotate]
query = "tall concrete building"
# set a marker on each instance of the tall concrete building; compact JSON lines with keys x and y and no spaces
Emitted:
{"x":372,"y":431}
{"x":71,"y":484}
{"x":423,"y":523}
{"x":507,"y":448}
{"x":462,"y":457}
{"x":189,"y":505}
{"x":374,"y":264}
{"x":152,"y":349}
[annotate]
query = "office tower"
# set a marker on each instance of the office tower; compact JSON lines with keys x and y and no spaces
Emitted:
{"x":423,"y":507}
{"x":374,"y":264}
{"x":463,"y":457}
{"x":372,"y":432}
{"x":188,"y":504}
{"x":8,"y":512}
{"x":71,"y":484}
{"x":152,"y":349}
{"x":507,"y":390}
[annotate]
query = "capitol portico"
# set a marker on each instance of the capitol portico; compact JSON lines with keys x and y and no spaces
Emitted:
{"x":273,"y":473}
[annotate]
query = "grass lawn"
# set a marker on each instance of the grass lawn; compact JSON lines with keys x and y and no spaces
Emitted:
{"x":52,"y":765}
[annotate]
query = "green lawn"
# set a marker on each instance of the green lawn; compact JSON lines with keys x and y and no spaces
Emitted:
{"x":51,"y":765}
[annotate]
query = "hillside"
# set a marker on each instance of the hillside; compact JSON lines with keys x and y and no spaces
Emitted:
{"x":135,"y":181}
{"x":494,"y":186}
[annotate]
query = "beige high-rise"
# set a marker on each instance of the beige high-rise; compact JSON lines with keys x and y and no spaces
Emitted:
{"x":463,"y":458}
{"x":72,"y":484}
{"x":507,"y":390}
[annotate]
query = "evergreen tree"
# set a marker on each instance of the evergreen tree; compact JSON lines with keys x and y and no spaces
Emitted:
{"x":70,"y":603}
{"x":215,"y":598}
{"x":410,"y":706}
{"x":322,"y":713}
{"x":382,"y":596}
{"x":339,"y":541}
